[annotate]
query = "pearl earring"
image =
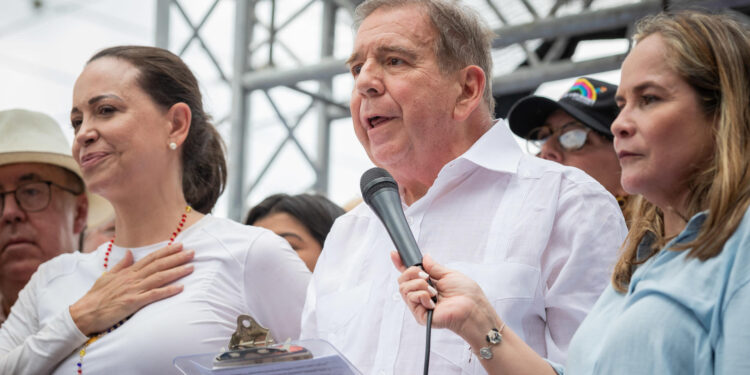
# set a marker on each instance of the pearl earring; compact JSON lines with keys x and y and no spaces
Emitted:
{"x":172,"y":146}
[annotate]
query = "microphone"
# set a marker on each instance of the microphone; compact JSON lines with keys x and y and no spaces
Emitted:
{"x":380,"y":192}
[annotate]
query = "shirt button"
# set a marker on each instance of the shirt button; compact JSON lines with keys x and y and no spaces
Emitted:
{"x":396,"y":296}
{"x":410,"y":220}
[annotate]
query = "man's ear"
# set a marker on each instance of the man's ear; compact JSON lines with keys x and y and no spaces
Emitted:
{"x":179,"y":117}
{"x":81,"y":213}
{"x":471,"y":79}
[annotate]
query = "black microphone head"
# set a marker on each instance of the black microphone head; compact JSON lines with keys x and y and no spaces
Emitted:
{"x":373,"y":180}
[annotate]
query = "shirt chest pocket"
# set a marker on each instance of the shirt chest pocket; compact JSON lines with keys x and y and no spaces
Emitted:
{"x":502,"y":281}
{"x":512,"y":289}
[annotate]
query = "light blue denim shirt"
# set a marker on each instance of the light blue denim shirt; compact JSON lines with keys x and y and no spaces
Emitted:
{"x":680,"y":315}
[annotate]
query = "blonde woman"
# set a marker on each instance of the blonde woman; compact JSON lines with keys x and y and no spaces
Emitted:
{"x":680,"y":291}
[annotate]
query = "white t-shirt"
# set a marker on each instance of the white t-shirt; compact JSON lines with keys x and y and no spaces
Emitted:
{"x":238,"y":270}
{"x":538,"y":237}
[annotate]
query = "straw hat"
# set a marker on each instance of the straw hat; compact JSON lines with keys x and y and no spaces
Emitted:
{"x":33,"y":137}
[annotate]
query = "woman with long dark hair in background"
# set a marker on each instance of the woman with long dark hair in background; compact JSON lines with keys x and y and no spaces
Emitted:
{"x":304,"y":220}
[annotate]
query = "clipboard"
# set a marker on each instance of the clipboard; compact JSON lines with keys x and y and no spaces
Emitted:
{"x":325,"y":360}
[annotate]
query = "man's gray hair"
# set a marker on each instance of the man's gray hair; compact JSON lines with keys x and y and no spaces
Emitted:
{"x":463,"y":37}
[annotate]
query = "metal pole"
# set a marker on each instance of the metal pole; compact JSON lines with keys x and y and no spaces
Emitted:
{"x":243,"y":28}
{"x":525,"y":79}
{"x":272,"y":33}
{"x":326,"y":89}
{"x":161,"y":38}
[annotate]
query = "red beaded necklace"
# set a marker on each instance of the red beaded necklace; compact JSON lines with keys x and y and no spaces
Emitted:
{"x":171,"y":239}
{"x":96,"y":336}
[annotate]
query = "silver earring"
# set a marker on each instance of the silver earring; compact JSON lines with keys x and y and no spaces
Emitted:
{"x":172,"y":146}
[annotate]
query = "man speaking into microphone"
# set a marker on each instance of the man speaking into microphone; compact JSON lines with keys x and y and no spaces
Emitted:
{"x":539,"y":238}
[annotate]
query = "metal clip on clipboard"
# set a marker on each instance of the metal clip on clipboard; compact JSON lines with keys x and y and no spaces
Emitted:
{"x":252,"y":344}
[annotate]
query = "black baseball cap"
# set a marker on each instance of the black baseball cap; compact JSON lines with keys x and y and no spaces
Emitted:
{"x":589,"y":101}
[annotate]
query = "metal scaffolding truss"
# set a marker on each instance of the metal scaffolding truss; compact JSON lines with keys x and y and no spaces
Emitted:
{"x":257,"y":27}
{"x":535,"y":40}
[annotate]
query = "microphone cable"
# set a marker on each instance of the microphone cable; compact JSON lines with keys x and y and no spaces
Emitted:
{"x":428,"y":326}
{"x":427,"y":344}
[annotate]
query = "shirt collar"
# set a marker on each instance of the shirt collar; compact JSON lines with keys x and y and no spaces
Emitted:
{"x":495,"y":150}
{"x":688,"y":234}
{"x":691,"y":228}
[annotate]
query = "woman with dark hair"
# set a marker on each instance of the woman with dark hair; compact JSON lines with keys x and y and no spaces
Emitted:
{"x":303,"y":220}
{"x":680,"y":293}
{"x":144,"y":143}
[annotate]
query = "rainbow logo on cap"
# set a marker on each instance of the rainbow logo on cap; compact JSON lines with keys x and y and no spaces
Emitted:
{"x":584,"y":92}
{"x":583,"y":87}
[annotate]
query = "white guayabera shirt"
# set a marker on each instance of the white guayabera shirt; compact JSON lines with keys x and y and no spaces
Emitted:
{"x":540,"y":239}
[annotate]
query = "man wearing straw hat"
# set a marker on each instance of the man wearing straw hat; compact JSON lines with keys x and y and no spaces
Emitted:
{"x":43,"y":205}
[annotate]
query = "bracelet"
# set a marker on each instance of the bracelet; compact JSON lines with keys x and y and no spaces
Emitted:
{"x":493,"y":338}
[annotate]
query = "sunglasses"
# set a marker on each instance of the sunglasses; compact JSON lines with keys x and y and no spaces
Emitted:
{"x":571,"y":137}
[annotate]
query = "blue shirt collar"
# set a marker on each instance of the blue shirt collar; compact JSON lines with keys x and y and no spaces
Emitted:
{"x":688,"y":234}
{"x":691,"y":229}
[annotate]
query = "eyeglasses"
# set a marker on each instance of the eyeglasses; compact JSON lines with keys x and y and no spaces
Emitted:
{"x":571,"y":136}
{"x":32,"y":197}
